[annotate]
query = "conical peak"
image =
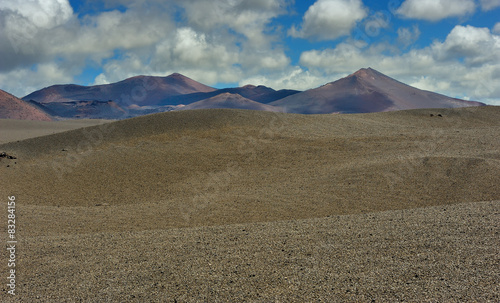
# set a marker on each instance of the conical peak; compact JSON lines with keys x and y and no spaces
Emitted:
{"x":366,"y":72}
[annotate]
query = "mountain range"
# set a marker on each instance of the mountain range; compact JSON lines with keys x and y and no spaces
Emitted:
{"x":364,"y":91}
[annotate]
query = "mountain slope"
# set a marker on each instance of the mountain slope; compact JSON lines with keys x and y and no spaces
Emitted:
{"x":12,"y":107}
{"x":229,"y":100}
{"x":261,"y":94}
{"x":367,"y":90}
{"x":140,"y":90}
{"x":87,"y":109}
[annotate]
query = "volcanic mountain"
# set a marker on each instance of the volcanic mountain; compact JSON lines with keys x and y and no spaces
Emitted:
{"x":12,"y":107}
{"x":367,"y":90}
{"x":139,"y":90}
{"x":229,"y":100}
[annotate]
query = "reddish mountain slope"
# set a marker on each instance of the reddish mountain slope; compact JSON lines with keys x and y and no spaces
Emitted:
{"x":367,"y":90}
{"x":228,"y":100}
{"x":12,"y":107}
{"x":140,"y":90}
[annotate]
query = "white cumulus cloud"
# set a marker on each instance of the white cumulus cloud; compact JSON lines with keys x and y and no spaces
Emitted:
{"x":248,"y":18}
{"x":22,"y":81}
{"x":487,"y":5}
{"x":496,"y":28}
{"x":435,"y":10}
{"x":41,"y":13}
{"x":473,"y":45}
{"x":330,"y":19}
{"x":408,"y":36}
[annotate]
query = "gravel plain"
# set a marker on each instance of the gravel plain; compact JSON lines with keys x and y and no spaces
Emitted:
{"x":244,"y":206}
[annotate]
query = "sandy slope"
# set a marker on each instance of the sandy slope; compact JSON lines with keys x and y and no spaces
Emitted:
{"x":168,"y":204}
{"x":14,"y":130}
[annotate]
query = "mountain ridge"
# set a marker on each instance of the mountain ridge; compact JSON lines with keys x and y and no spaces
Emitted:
{"x":364,"y":91}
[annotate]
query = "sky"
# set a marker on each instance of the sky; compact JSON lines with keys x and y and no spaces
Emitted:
{"x":447,"y":46}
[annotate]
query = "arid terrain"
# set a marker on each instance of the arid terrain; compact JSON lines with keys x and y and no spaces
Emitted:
{"x":224,"y":205}
{"x":16,"y":130}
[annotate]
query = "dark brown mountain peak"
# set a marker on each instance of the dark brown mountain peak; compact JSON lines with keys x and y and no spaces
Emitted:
{"x":367,"y":73}
{"x":363,"y":71}
{"x":177,"y":75}
{"x":180,"y":78}
{"x":227,"y":95}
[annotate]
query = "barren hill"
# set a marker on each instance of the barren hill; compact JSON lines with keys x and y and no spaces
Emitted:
{"x":365,"y":91}
{"x":244,"y":166}
{"x":229,"y":100}
{"x":139,"y":90}
{"x":12,"y":107}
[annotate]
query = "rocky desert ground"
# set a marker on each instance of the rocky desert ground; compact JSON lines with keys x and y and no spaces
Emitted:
{"x":228,"y":205}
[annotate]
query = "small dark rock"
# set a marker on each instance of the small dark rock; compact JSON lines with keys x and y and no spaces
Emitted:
{"x":5,"y":155}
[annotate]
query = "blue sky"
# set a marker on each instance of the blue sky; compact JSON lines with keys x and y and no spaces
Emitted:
{"x":447,"y":46}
